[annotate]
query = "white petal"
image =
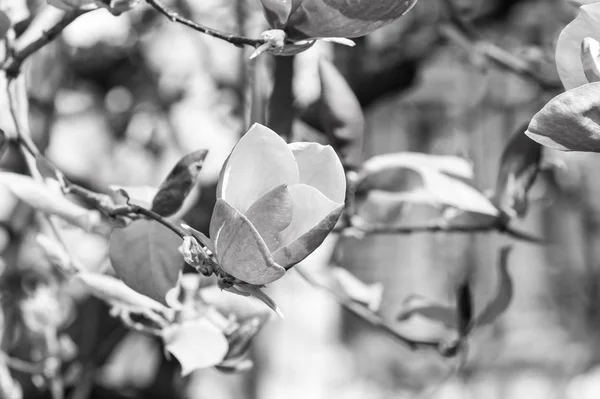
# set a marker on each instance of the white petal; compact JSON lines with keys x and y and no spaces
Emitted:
{"x":260,"y":161}
{"x":568,"y":46}
{"x":320,"y":167}
{"x":313,"y":219}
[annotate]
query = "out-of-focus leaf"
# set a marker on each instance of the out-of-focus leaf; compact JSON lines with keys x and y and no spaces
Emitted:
{"x":355,"y":289}
{"x":568,"y":45}
{"x":145,"y":256}
{"x":115,"y":292}
{"x":196,"y":344}
{"x":281,"y":103}
{"x":255,"y":291}
{"x":235,"y":366}
{"x":333,"y":18}
{"x":590,"y":51}
{"x":570,"y":121}
{"x":341,"y":114}
{"x":464,"y":305}
{"x":503,"y":295}
{"x":421,"y":306}
{"x":519,"y":166}
{"x":177,"y":185}
{"x":4,"y":24}
{"x":43,"y":199}
{"x":423,"y":179}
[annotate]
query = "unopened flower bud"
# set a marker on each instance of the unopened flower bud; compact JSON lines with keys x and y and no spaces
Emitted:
{"x":194,"y":255}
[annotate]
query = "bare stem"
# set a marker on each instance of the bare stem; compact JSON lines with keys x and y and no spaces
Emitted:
{"x":238,"y":41}
{"x":13,"y":63}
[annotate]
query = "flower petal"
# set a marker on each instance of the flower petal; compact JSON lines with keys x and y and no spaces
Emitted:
{"x":260,"y":161}
{"x":568,"y":46}
{"x":271,"y":214}
{"x":343,"y":18}
{"x":239,"y":248}
{"x":314,"y":217}
{"x":320,"y":167}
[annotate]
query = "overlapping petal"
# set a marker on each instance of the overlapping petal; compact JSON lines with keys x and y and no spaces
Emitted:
{"x":259,"y":162}
{"x":314,"y":217}
{"x":271,"y":214}
{"x":568,"y":46}
{"x":320,"y":167}
{"x":240,"y":249}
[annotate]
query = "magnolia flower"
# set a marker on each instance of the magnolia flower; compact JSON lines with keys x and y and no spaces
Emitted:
{"x":302,"y":19}
{"x":276,"y":203}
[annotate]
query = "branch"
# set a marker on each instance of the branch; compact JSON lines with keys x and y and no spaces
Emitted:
{"x":446,"y":349}
{"x":238,"y":41}
{"x":437,"y":227}
{"x":465,"y":34}
{"x":13,"y":63}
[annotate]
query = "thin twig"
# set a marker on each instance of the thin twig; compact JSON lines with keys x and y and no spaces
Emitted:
{"x":441,"y":228}
{"x":238,"y":41}
{"x":374,"y":319}
{"x":12,"y":65}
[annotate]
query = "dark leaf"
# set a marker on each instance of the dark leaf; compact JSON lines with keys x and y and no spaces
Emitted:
{"x":519,"y":166}
{"x":341,"y":114}
{"x":4,"y":24}
{"x":570,"y":121}
{"x":241,"y":339}
{"x":504,"y":292}
{"x":145,"y":256}
{"x":175,"y":188}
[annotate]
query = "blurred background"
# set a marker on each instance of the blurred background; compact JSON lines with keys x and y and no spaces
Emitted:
{"x":118,"y":100}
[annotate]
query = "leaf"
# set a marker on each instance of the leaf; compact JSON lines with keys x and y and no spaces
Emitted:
{"x":519,"y":166}
{"x":504,"y":292}
{"x":341,"y":114}
{"x":231,"y":304}
{"x":4,"y":24}
{"x":177,"y":185}
{"x":115,"y":291}
{"x":425,"y":307}
{"x":137,"y":195}
{"x":355,"y":289}
{"x":145,"y":256}
{"x":241,"y":339}
{"x":570,"y":121}
{"x":423,"y":179}
{"x":196,"y":344}
{"x":42,"y":198}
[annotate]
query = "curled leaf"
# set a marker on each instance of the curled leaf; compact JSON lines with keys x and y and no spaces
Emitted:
{"x":503,"y":295}
{"x":177,"y":185}
{"x":423,"y":179}
{"x":356,"y":290}
{"x":145,"y":256}
{"x":519,"y":166}
{"x":196,"y":344}
{"x":570,"y":121}
{"x":429,"y":309}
